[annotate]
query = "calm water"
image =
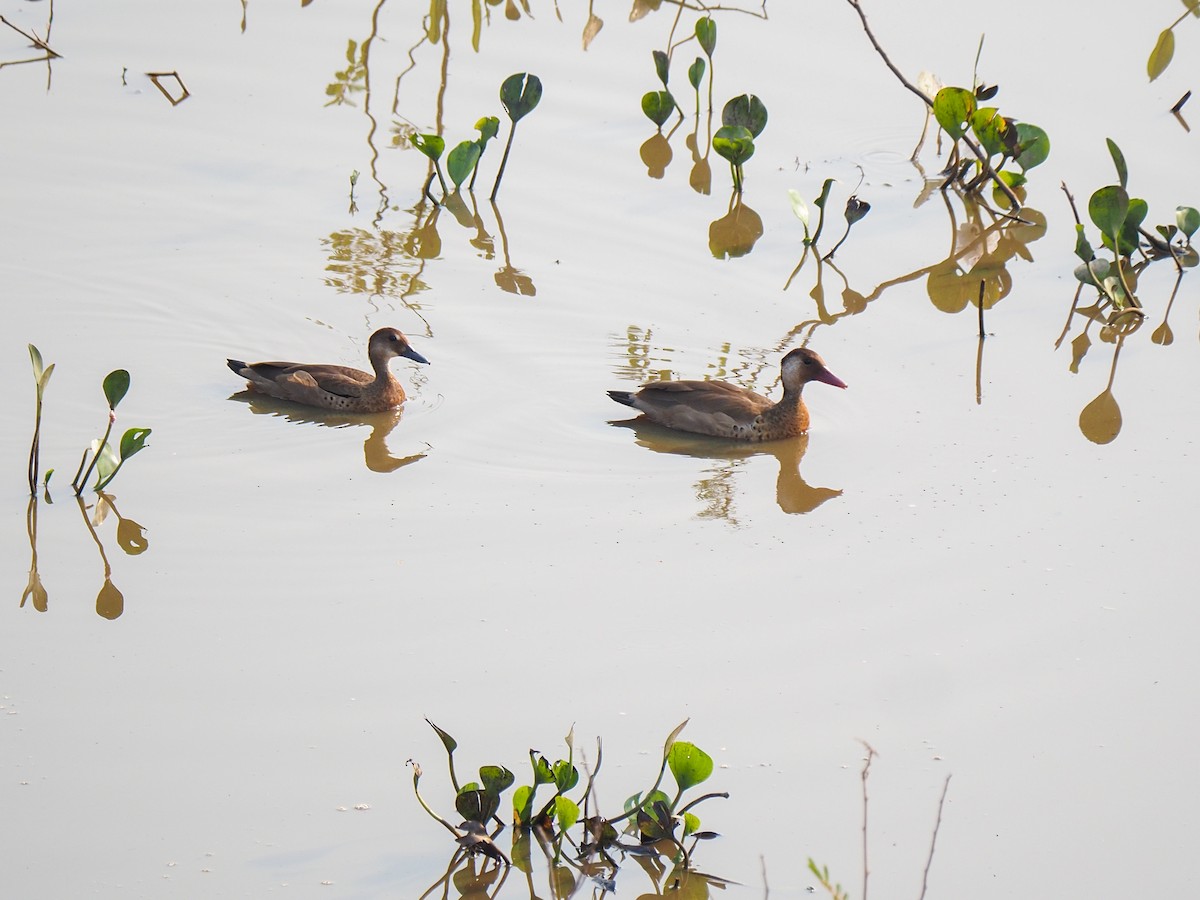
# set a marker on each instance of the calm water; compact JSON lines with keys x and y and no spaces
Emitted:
{"x":951,"y":567}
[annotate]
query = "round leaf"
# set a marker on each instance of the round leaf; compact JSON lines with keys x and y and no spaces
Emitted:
{"x":952,"y":107}
{"x":431,"y":145}
{"x":747,"y":111}
{"x":689,"y":764}
{"x":696,"y":73}
{"x":566,"y":811}
{"x":1108,"y":208}
{"x":1186,"y":217}
{"x":116,"y":385}
{"x":519,"y":94}
{"x":1033,"y":146}
{"x":734,"y":143}
{"x":658,"y":106}
{"x":488,"y":127}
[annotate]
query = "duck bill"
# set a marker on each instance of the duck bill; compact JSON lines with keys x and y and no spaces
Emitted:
{"x":829,"y":378}
{"x":412,"y":354}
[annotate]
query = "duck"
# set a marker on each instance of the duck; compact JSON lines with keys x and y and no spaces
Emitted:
{"x":725,"y":410}
{"x":334,"y":387}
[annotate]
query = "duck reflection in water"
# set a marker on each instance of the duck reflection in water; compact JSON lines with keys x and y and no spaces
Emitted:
{"x":376,"y":454}
{"x":792,"y":493}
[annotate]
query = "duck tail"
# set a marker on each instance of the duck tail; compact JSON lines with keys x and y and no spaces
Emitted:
{"x":236,"y":366}
{"x":623,"y":397}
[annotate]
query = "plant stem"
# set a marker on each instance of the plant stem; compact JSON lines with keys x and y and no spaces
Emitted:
{"x":503,"y":161}
{"x":112,"y":416}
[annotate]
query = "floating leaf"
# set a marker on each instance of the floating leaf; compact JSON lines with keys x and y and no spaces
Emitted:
{"x":952,"y":107}
{"x":706,"y":34}
{"x":747,"y":111}
{"x":1160,"y":56}
{"x":689,"y":764}
{"x":116,"y":386}
{"x":566,"y":776}
{"x":476,"y":804}
{"x":734,"y":143}
{"x":661,"y":65}
{"x":461,"y":161}
{"x":519,"y":94}
{"x":523,"y":805}
{"x":1118,"y":159}
{"x":658,"y":106}
{"x":856,"y":209}
{"x":992,"y":129}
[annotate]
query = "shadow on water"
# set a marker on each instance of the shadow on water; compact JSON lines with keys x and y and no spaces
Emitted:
{"x":716,"y":491}
{"x":376,"y":454}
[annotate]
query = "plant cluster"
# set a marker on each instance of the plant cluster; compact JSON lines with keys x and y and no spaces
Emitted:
{"x":652,"y":825}
{"x":1121,"y":219}
{"x":519,"y":95}
{"x":100,"y":456}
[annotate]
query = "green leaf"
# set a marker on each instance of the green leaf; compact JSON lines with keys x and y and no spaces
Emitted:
{"x":691,"y":824}
{"x":1108,"y":208}
{"x":1186,"y":217}
{"x":116,"y":386}
{"x":496,"y":779}
{"x":133,"y":441}
{"x":476,"y":804}
{"x":1033,"y":146}
{"x":747,"y":111}
{"x":542,"y":771}
{"x":448,"y":742}
{"x":461,"y":161}
{"x":658,"y":105}
{"x":45,"y":379}
{"x":952,"y":107}
{"x":1118,"y":159}
{"x":488,"y":127}
{"x":431,"y":145}
{"x":566,"y":811}
{"x":696,"y":73}
{"x":1083,"y":249}
{"x":996,"y":133}
{"x":734,"y":143}
{"x":523,"y":804}
{"x":1160,"y":56}
{"x":1093,"y":276}
{"x":566,"y":776}
{"x":706,"y":34}
{"x":661,"y":65}
{"x":1129,"y":237}
{"x":689,"y":764}
{"x":519,"y":94}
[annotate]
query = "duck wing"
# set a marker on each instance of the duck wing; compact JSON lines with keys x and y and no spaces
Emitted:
{"x":340,"y":380}
{"x":705,"y":407}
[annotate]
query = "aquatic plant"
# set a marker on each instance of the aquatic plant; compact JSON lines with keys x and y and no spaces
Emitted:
{"x":855,"y":210}
{"x":41,"y":377}
{"x":519,"y":95}
{"x":742,"y":120}
{"x":1120,"y":219}
{"x":106,"y":460}
{"x":654,"y":822}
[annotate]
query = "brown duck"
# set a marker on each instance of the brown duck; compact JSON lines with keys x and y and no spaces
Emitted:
{"x":726,"y":410}
{"x":335,"y":387}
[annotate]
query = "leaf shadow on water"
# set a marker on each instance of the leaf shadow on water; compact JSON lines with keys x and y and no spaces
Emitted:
{"x":376,"y":455}
{"x":716,"y":490}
